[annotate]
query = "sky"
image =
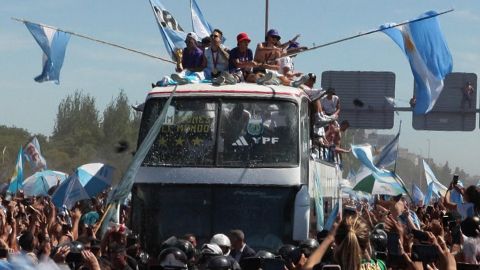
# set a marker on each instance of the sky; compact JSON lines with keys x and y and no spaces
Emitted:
{"x":102,"y":71}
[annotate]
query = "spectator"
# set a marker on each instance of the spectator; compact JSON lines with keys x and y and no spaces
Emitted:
{"x":240,"y":249}
{"x":331,"y":102}
{"x":471,"y":205}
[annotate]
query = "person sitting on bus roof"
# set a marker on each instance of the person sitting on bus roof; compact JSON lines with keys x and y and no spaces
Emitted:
{"x":286,"y":74}
{"x":217,"y":56}
{"x":190,"y":64}
{"x":241,"y":59}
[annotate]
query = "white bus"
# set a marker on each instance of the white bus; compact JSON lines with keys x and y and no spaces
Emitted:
{"x":228,"y":157}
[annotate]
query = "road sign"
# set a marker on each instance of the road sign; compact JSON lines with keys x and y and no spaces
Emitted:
{"x":362,"y":97}
{"x":455,"y":109}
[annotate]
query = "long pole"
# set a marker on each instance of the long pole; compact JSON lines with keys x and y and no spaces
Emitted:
{"x":369,"y":32}
{"x":398,"y":145}
{"x":98,"y":40}
{"x":266,"y":17}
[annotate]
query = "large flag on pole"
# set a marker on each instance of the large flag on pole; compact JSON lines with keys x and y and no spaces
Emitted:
{"x":16,"y":182}
{"x":172,"y":33}
{"x":389,"y":153}
{"x":417,"y":195}
{"x":430,"y":60}
{"x":364,"y":154}
{"x":431,"y":179}
{"x":121,"y":192}
{"x":200,"y":25}
{"x":53,"y":44}
{"x":318,"y":197}
{"x":34,"y":156}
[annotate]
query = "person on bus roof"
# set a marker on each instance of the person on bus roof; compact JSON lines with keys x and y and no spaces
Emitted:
{"x":217,"y":56}
{"x":241,"y":60}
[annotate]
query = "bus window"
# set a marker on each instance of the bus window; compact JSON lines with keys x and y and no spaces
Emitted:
{"x":187,"y":137}
{"x":258,"y":134}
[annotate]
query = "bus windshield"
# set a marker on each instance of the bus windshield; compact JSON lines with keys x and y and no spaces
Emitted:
{"x":223,"y":133}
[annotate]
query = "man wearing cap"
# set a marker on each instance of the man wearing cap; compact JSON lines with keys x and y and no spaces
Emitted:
{"x":191,"y":62}
{"x":268,"y":52}
{"x":241,"y":58}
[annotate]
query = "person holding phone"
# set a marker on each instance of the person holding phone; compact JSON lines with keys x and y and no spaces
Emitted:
{"x":471,"y":199}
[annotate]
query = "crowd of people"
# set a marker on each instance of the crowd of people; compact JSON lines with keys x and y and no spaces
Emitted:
{"x":388,"y":233}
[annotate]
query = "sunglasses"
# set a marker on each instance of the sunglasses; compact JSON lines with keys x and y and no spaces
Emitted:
{"x":214,"y":36}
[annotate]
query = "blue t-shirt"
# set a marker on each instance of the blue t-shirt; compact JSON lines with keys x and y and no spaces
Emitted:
{"x":242,"y":57}
{"x":192,"y":59}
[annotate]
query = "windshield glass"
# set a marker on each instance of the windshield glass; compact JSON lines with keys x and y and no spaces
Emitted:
{"x":224,"y":133}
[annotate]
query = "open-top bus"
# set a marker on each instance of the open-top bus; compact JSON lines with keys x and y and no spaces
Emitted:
{"x":229,"y":157}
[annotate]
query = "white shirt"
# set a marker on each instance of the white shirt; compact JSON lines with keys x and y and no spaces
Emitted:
{"x":329,"y":105}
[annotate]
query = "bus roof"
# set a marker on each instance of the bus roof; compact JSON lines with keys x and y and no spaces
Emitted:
{"x":237,"y":90}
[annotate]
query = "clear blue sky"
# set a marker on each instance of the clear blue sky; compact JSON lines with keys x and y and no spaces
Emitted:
{"x":102,"y":71}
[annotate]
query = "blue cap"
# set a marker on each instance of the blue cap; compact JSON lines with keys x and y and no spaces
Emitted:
{"x":273,"y":33}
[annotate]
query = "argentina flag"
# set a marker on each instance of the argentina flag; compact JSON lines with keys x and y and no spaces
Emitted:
{"x":16,"y":182}
{"x":200,"y":25}
{"x":430,"y":60}
{"x":171,"y":31}
{"x":53,"y":44}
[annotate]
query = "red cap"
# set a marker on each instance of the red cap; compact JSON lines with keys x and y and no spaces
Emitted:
{"x":243,"y":36}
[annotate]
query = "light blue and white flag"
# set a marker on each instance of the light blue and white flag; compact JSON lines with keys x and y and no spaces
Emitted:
{"x":33,"y":155}
{"x":430,"y":60}
{"x":200,"y":25}
{"x":429,"y":195}
{"x":430,"y":177}
{"x":417,"y":195}
{"x":16,"y":182}
{"x":364,"y":154}
{"x":389,"y":153}
{"x":53,"y":44}
{"x":318,"y":197}
{"x":333,"y":215}
{"x":172,"y":33}
{"x":121,"y":192}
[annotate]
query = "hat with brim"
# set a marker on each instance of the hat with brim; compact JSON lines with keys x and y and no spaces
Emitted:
{"x":243,"y":37}
{"x":273,"y":33}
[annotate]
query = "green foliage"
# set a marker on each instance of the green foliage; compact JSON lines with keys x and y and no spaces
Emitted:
{"x":80,"y":136}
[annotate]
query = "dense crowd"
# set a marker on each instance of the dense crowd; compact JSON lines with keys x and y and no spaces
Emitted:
{"x":388,"y":233}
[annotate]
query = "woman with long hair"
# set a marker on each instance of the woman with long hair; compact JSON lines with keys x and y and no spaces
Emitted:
{"x":352,"y":246}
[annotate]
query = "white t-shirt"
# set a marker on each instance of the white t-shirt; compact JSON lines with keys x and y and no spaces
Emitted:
{"x":285,"y":62}
{"x":329,"y":105}
{"x":471,"y":249}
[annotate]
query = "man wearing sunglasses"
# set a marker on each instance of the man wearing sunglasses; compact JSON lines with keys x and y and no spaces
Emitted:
{"x":216,"y":56}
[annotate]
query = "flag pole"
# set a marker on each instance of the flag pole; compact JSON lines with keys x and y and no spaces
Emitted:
{"x":398,"y":146}
{"x":368,"y":32}
{"x":266,"y":17}
{"x":97,"y":40}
